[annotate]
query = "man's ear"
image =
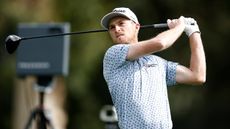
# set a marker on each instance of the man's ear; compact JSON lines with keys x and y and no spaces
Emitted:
{"x":138,"y":26}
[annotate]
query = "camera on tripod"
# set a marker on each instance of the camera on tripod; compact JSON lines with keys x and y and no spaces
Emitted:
{"x":108,"y":115}
{"x":43,"y":58}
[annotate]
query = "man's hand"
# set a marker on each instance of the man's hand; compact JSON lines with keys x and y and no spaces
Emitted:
{"x":191,"y":26}
{"x":176,"y":22}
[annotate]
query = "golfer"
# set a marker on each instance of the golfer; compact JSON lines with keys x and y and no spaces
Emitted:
{"x":137,"y":79}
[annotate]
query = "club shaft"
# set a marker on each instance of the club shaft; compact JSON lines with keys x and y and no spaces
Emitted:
{"x":62,"y":34}
{"x":160,"y":25}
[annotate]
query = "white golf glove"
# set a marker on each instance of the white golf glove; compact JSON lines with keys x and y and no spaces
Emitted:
{"x":191,"y":26}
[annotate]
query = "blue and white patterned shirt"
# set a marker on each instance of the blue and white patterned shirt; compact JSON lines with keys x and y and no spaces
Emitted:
{"x":139,"y":88}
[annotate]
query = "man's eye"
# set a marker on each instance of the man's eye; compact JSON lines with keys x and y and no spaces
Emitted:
{"x":121,"y":23}
{"x":111,"y":27}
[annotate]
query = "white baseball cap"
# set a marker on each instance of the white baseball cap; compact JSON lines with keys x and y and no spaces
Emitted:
{"x":121,"y":11}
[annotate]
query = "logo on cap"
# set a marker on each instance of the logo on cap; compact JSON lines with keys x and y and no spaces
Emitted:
{"x":119,"y":10}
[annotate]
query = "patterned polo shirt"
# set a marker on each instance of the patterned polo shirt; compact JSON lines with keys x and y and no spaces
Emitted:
{"x":139,"y":88}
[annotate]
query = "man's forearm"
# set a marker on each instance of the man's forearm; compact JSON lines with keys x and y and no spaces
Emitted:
{"x":198,"y":61}
{"x":170,"y":36}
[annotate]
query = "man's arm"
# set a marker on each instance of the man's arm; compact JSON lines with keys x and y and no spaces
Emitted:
{"x":160,"y":42}
{"x":196,"y":73}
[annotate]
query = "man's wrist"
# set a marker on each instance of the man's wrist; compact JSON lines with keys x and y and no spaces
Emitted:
{"x":195,"y":33}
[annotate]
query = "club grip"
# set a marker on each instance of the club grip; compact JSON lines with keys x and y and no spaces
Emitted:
{"x":159,"y":25}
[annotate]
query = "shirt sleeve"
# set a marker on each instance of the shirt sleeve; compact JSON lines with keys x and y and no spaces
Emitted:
{"x":114,"y":58}
{"x":116,"y":55}
{"x":171,"y":73}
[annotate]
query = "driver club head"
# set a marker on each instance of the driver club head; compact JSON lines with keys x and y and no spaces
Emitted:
{"x":12,"y":42}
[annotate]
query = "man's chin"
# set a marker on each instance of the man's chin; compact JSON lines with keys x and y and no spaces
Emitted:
{"x":120,"y":42}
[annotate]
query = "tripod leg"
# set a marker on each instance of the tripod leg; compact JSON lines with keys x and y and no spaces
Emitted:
{"x":32,"y":116}
{"x":48,"y":123}
{"x":42,"y":121}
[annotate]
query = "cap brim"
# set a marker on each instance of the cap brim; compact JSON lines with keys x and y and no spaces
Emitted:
{"x":106,"y":19}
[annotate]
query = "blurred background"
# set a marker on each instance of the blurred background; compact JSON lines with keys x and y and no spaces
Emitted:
{"x":200,"y":107}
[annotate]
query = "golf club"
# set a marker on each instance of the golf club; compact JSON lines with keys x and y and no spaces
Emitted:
{"x":12,"y":41}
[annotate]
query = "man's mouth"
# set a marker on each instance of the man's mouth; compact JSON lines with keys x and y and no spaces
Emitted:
{"x":119,"y":35}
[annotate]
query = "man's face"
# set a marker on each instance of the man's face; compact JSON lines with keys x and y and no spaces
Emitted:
{"x":123,"y":30}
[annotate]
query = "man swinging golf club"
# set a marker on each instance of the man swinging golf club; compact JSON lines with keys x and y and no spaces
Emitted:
{"x":137,"y":79}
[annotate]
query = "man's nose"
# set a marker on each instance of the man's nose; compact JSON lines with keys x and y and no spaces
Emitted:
{"x":117,"y":28}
